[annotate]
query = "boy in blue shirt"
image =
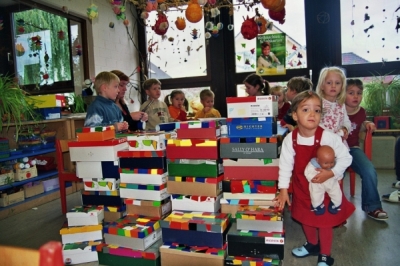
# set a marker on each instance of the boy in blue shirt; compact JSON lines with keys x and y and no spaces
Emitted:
{"x":103,"y":111}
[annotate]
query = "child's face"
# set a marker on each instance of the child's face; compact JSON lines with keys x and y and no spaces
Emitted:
{"x":110,"y":91}
{"x":122,"y":89}
{"x":326,"y":161}
{"x":308,"y":113}
{"x":154,"y":92}
{"x":266,"y":50}
{"x":290,"y":94}
{"x":252,"y":90}
{"x":178,"y":101}
{"x":332,"y":86}
{"x":280,"y":96}
{"x":353,"y":96}
{"x":208,"y":102}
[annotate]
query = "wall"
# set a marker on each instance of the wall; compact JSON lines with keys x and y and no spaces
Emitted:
{"x":111,"y":47}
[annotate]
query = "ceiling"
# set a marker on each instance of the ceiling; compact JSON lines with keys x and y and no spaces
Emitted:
{"x":7,"y":2}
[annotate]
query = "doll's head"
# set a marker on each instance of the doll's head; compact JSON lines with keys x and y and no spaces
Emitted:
{"x":326,"y":157}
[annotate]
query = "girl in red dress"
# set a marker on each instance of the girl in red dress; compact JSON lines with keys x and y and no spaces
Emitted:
{"x":297,"y":150}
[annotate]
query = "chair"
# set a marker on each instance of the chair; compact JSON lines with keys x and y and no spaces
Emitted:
{"x":65,"y":173}
{"x":368,"y":152}
{"x":50,"y":254}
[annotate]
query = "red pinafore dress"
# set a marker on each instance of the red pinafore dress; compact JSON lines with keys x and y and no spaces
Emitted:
{"x":301,"y":201}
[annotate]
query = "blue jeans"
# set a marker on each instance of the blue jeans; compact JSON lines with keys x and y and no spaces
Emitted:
{"x":370,"y":200}
{"x":397,"y":158}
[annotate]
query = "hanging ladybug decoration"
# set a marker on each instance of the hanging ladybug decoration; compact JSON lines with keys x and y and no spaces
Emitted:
{"x":61,"y":35}
{"x":249,"y":29}
{"x":180,"y":23}
{"x":278,"y":16}
{"x":161,"y":25}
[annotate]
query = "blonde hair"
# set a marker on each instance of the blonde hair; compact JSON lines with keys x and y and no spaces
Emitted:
{"x":104,"y":78}
{"x":150,"y":82}
{"x":206,"y":94}
{"x":278,"y":89}
{"x":322,"y":76}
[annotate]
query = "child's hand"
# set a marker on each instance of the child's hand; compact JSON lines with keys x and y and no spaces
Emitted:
{"x":345,"y":133}
{"x":137,"y":115}
{"x":322,"y":176}
{"x":370,"y":126}
{"x":122,"y":126}
{"x":288,"y":126}
{"x":282,"y":199}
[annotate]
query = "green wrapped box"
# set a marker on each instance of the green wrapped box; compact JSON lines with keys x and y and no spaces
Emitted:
{"x":196,"y":168}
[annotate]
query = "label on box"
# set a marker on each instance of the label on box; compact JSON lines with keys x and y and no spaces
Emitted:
{"x":275,"y":240}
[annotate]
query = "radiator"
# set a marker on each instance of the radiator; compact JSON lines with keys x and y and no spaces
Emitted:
{"x":383,"y":151}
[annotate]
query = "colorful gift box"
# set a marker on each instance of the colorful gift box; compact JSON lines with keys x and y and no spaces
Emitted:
{"x":80,"y":233}
{"x":83,"y":252}
{"x":98,"y":184}
{"x":144,"y":163}
{"x":136,"y":232}
{"x":95,"y":133}
{"x":196,"y":203}
{"x":195,"y":228}
{"x":202,"y":186}
{"x":249,"y":186}
{"x":181,"y":255}
{"x":158,"y":209}
{"x":113,"y":255}
{"x":198,"y":133}
{"x":143,"y":191}
{"x":85,"y":215}
{"x":249,"y":261}
{"x":108,"y":198}
{"x":251,"y":169}
{"x":251,"y":127}
{"x":45,"y":101}
{"x":104,"y":169}
{"x":113,"y":213}
{"x":256,"y":244}
{"x":96,"y":151}
{"x":259,"y":218}
{"x":150,"y":176}
{"x":249,"y":148}
{"x":193,"y":149}
{"x":185,"y":167}
{"x":147,"y":142}
{"x":252,"y":106}
{"x":233,"y":205}
{"x":216,"y":123}
{"x":142,"y":154}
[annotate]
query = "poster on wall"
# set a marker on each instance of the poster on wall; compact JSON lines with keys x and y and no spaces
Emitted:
{"x":271,"y":54}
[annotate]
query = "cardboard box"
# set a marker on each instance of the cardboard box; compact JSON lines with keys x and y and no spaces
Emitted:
{"x":104,"y":169}
{"x":244,"y":261}
{"x":51,"y":184}
{"x":251,"y":127}
{"x":255,"y":196}
{"x":143,"y":163}
{"x":113,"y":216}
{"x":95,"y":133}
{"x":196,"y":203}
{"x":85,"y":215}
{"x":6,"y":178}
{"x":75,"y":234}
{"x":98,"y":184}
{"x":211,"y":123}
{"x":50,"y":113}
{"x":76,"y":253}
{"x":112,"y":255}
{"x":6,"y":200}
{"x":96,"y":151}
{"x":193,"y":149}
{"x":233,"y":205}
{"x":200,"y":186}
{"x":135,"y":232}
{"x":259,"y":218}
{"x":156,"y":179}
{"x":143,"y":192}
{"x":249,"y":186}
{"x":255,"y":243}
{"x":158,"y":209}
{"x":33,"y":188}
{"x":49,"y":100}
{"x":141,"y":154}
{"x":249,"y":148}
{"x":195,"y":228}
{"x":198,"y":133}
{"x":147,"y":142}
{"x":251,"y":169}
{"x":178,"y":255}
{"x":185,"y":167}
{"x":252,"y":106}
{"x":107,"y":198}
{"x":23,"y":174}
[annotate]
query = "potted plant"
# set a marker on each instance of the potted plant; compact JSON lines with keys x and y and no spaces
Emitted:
{"x":78,"y":103}
{"x":14,"y":106}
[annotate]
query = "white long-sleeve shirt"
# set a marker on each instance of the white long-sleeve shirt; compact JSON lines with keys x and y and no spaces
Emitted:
{"x":286,"y":159}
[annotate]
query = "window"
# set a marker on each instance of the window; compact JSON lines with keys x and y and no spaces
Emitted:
{"x":192,"y":95}
{"x":369,"y":31}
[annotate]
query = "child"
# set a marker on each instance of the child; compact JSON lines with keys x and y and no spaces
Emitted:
{"x":156,"y":110}
{"x":294,"y":86}
{"x":370,"y":201}
{"x":256,"y":85}
{"x":331,"y":88}
{"x":207,"y":100}
{"x":177,"y":108}
{"x":103,"y":111}
{"x":325,"y":159}
{"x":283,"y":105}
{"x":298,"y":148}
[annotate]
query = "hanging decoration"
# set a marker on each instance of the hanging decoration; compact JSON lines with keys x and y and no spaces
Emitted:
{"x":249,"y":28}
{"x":36,"y":43}
{"x":119,"y":11}
{"x":277,"y":15}
{"x":92,"y":12}
{"x":20,"y":26}
{"x":65,"y":9}
{"x":194,"y":12}
{"x":78,"y":49}
{"x":274,"y":5}
{"x":161,"y":25}
{"x":61,"y":35}
{"x":180,"y":23}
{"x":20,"y":49}
{"x":151,"y":5}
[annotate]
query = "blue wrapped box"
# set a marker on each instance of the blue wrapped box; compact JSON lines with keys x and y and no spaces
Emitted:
{"x":251,"y":127}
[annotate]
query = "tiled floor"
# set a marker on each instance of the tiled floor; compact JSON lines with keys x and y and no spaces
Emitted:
{"x":362,"y":241}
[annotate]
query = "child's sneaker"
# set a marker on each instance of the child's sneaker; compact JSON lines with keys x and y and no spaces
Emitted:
{"x":333,"y":209}
{"x":306,"y":250}
{"x":319,"y":210}
{"x":325,"y":260}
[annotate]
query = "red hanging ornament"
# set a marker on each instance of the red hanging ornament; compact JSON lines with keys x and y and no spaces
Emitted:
{"x":278,"y":16}
{"x":161,"y":25}
{"x":61,"y":35}
{"x":249,"y":28}
{"x":45,"y":76}
{"x":78,"y":49}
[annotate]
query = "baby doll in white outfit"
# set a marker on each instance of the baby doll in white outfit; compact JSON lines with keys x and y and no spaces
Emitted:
{"x":326,"y":160}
